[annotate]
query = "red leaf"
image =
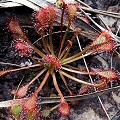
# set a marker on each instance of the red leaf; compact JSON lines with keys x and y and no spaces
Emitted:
{"x":109,"y":74}
{"x":30,"y":103}
{"x":22,"y":91}
{"x":64,"y":108}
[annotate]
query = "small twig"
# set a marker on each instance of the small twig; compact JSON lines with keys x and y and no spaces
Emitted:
{"x":3,"y":63}
{"x":118,"y":30}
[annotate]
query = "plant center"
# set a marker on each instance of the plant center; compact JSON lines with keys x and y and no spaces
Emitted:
{"x":52,"y":62}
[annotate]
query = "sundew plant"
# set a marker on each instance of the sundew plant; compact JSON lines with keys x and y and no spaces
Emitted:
{"x":56,"y":62}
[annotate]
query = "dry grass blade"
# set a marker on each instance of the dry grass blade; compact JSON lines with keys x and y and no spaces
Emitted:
{"x":6,"y":4}
{"x":110,"y":14}
{"x":107,"y":13}
{"x":44,"y":100}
